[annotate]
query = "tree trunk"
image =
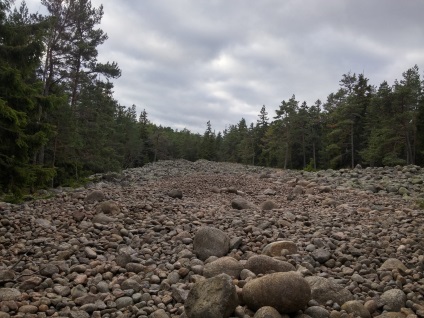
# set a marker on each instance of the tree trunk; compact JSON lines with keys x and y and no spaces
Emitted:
{"x":352,"y":147}
{"x":286,"y":157}
{"x":314,"y":155}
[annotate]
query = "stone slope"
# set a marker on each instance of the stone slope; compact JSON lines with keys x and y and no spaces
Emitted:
{"x":123,"y":246}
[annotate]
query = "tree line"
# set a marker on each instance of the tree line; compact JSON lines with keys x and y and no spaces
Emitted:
{"x":59,"y":120}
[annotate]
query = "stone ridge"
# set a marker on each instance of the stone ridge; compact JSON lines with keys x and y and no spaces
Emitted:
{"x":123,"y":247}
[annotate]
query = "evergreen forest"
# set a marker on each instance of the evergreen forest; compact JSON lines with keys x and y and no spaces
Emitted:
{"x":59,"y":120}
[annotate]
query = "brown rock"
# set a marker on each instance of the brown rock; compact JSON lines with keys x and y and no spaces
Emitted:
{"x":286,"y":292}
{"x":275,"y":248}
{"x":263,"y":264}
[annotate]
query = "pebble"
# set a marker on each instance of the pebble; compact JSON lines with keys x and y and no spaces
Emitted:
{"x":124,"y":247}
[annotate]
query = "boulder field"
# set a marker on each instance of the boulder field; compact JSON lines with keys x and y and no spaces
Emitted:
{"x":204,"y":239}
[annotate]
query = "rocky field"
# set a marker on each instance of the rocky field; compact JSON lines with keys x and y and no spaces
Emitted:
{"x":204,"y":239}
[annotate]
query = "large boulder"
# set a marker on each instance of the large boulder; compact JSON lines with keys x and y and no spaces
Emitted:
{"x":324,"y":290}
{"x":263,"y":264}
{"x":227,"y":265}
{"x":286,"y":292}
{"x":211,"y":298}
{"x":210,"y":241}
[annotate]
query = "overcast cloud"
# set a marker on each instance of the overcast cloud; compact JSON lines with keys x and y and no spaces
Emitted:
{"x":189,"y":61}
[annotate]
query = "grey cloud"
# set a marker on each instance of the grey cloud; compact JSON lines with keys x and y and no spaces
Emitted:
{"x":189,"y":61}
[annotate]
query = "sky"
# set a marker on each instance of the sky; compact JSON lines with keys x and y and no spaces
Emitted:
{"x":189,"y":61}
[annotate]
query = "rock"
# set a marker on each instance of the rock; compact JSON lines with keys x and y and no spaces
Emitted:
{"x":269,"y":192}
{"x":287,"y":292}
{"x":210,"y":241}
{"x":275,"y":248}
{"x":235,"y":242}
{"x":108,"y":207}
{"x":28,"y":309}
{"x":269,"y":205}
{"x":267,"y":312}
{"x":9,"y":294}
{"x":78,"y":314}
{"x":263,"y":264}
{"x":30,"y":283}
{"x":123,"y":302}
{"x":6,"y":275}
{"x":393,"y":315}
{"x":131,"y":284}
{"x":49,"y":270}
{"x":176,"y":194}
{"x":241,"y":204}
{"x":103,"y":219}
{"x":298,"y":189}
{"x":78,"y":215}
{"x":94,"y":196}
{"x":321,"y":255}
{"x":317,"y":312}
{"x":226,"y":265}
{"x":212,"y":298}
{"x":90,"y":252}
{"x":393,"y":263}
{"x":324,"y":290}
{"x":160,"y":313}
{"x":356,"y":308}
{"x":394,"y":299}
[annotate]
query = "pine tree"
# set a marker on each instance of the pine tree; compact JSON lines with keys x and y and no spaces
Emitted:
{"x":20,"y":95}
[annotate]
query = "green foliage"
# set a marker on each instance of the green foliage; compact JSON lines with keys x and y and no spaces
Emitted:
{"x":310,"y":166}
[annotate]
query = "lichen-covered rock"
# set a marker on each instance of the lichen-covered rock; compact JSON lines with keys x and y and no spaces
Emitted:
{"x":324,"y":290}
{"x":212,"y":298}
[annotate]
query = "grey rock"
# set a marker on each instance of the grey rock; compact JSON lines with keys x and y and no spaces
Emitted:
{"x":393,"y":263}
{"x":241,"y":204}
{"x":123,"y":302}
{"x":317,"y":312}
{"x":210,"y":241}
{"x":94,"y":196}
{"x":394,"y":299}
{"x":176,"y":194}
{"x":269,"y":205}
{"x":212,"y":298}
{"x":103,"y":219}
{"x":321,"y":255}
{"x":9,"y":294}
{"x":324,"y":290}
{"x":6,"y":275}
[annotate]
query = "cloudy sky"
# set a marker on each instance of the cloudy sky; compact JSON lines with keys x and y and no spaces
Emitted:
{"x":190,"y":61}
